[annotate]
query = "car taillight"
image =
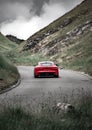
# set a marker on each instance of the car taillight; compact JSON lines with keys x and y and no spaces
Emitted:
{"x":38,"y":69}
{"x":54,"y":68}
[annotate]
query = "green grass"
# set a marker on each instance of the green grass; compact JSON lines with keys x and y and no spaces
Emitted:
{"x":80,"y":55}
{"x":24,"y":58}
{"x":8,"y":73}
{"x":6,"y":44}
{"x":16,"y":118}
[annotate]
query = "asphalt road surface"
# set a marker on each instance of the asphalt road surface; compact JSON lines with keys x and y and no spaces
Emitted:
{"x":36,"y":88}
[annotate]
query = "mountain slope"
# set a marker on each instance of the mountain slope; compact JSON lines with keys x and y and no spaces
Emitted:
{"x":68,"y":40}
{"x":6,"y":44}
{"x":72,"y":23}
{"x":8,"y":73}
{"x":14,"y":39}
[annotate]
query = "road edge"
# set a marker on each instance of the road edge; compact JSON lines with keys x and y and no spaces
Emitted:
{"x":11,"y":87}
{"x":80,"y":72}
{"x":87,"y":75}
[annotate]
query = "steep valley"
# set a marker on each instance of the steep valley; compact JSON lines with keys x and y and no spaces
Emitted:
{"x":68,"y":40}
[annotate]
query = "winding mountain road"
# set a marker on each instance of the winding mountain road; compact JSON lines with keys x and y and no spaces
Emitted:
{"x":33,"y":88}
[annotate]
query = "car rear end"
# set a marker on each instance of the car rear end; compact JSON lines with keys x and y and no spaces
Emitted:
{"x":46,"y":71}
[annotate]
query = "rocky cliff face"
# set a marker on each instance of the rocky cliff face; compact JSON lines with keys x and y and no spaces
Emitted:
{"x":36,"y":42}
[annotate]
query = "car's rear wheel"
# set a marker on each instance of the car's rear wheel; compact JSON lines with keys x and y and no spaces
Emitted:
{"x":35,"y":76}
{"x":56,"y":76}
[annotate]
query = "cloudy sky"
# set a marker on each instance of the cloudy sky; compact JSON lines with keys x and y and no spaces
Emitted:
{"x":22,"y":18}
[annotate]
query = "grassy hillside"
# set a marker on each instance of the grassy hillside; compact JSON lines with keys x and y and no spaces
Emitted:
{"x":68,"y":40}
{"x":79,"y":56}
{"x":6,"y":44}
{"x":8,"y":73}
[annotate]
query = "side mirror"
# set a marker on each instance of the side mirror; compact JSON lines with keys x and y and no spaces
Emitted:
{"x":56,"y":64}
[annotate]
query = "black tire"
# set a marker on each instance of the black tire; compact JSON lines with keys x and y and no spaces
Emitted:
{"x":56,"y":76}
{"x":35,"y":76}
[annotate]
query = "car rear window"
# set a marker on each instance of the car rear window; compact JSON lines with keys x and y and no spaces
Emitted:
{"x":46,"y":64}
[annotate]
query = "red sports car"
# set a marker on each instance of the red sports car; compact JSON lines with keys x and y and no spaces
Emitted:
{"x":46,"y":69}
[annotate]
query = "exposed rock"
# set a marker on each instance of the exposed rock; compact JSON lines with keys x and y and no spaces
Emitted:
{"x":64,"y":108}
{"x":31,"y":42}
{"x":55,"y":46}
{"x":66,"y":22}
{"x":78,"y":54}
{"x":68,"y":58}
{"x":80,"y":29}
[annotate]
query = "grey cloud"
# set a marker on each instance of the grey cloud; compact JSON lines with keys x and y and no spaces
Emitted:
{"x":68,"y":4}
{"x":38,"y":4}
{"x":9,"y":10}
{"x":28,"y":16}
